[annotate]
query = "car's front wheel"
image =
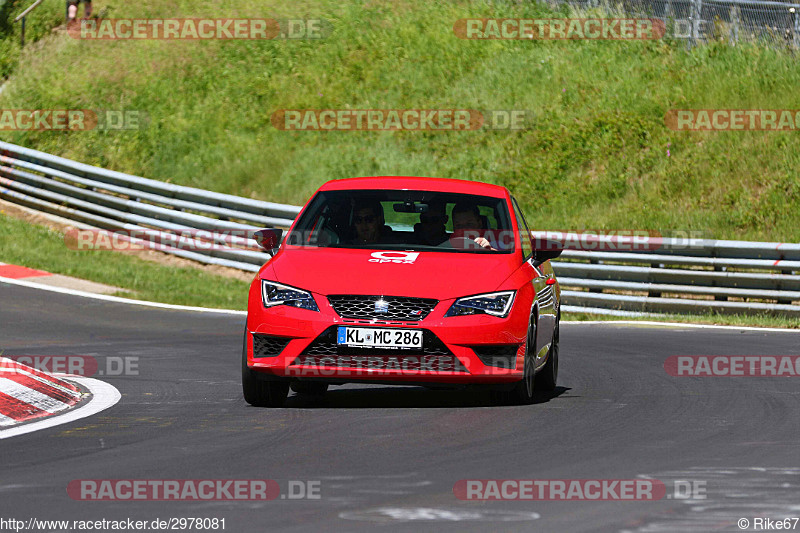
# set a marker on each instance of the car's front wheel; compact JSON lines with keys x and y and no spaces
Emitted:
{"x":548,"y":376}
{"x":523,"y":391}
{"x":258,"y":392}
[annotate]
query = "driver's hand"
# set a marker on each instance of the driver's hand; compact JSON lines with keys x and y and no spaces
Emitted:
{"x":483,"y":243}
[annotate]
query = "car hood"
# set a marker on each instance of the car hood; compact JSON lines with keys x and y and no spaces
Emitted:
{"x":438,"y":275}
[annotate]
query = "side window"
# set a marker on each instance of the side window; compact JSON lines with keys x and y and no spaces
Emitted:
{"x":525,"y":234}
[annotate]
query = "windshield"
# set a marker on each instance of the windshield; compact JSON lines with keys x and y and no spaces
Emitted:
{"x":405,"y":220}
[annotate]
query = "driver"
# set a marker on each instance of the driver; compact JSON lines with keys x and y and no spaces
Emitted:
{"x":468,"y":223}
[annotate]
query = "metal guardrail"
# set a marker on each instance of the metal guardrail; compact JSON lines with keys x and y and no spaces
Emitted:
{"x":700,"y":21}
{"x":30,"y":8}
{"x":166,"y":190}
{"x":98,"y":198}
{"x":706,"y":276}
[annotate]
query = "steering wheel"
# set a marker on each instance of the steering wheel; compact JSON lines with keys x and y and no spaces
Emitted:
{"x":464,"y":243}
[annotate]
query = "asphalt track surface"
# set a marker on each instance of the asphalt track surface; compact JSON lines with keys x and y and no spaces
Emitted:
{"x":387,"y":458}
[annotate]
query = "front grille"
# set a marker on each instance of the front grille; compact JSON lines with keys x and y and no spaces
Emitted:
{"x":268,"y":345}
{"x":434,"y":355}
{"x":399,"y":307}
{"x":497,"y":355}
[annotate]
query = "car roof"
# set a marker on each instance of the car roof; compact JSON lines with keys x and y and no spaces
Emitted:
{"x":417,"y":183}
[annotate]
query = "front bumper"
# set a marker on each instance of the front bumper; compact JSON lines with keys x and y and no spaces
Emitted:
{"x":300,"y":344}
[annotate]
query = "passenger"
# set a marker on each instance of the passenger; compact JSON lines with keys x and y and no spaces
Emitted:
{"x":431,"y":229}
{"x":370,"y":225}
{"x":468,"y":224}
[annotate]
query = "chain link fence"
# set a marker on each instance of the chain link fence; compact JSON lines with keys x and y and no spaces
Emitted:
{"x":699,"y":21}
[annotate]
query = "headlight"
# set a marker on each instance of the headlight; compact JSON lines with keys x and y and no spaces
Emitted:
{"x":494,"y":303}
{"x":276,"y":294}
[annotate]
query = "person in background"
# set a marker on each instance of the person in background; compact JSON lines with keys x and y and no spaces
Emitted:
{"x":430,"y":230}
{"x":73,"y":9}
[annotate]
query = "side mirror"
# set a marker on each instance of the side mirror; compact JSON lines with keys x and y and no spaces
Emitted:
{"x":546,"y":251}
{"x":269,"y":239}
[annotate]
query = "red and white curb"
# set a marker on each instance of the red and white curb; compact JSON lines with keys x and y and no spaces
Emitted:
{"x":27,"y":393}
{"x":20,"y":272}
{"x":30,"y":399}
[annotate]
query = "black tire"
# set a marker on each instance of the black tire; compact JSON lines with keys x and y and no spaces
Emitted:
{"x":523,"y":392}
{"x":548,"y":376}
{"x":260,"y":393}
{"x":309,"y":388}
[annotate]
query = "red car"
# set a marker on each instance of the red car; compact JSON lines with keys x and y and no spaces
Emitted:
{"x":403,"y":280}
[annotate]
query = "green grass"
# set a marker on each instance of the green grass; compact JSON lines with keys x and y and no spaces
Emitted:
{"x":38,"y":247}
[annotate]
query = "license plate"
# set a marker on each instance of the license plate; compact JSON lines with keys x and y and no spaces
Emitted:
{"x":379,"y":337}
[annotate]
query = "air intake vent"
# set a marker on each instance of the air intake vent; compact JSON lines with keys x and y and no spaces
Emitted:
{"x":497,"y":355}
{"x":268,"y":345}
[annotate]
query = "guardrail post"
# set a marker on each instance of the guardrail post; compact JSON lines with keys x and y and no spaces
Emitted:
{"x":655,"y":294}
{"x":735,"y":25}
{"x":595,"y":262}
{"x":796,"y":26}
{"x":785,"y":300}
{"x":718,"y":297}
